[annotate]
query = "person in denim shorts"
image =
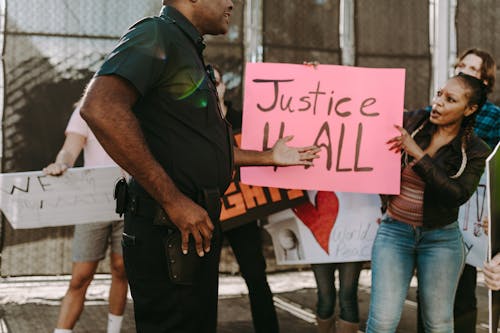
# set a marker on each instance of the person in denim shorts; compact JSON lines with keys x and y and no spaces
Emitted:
{"x":90,"y":240}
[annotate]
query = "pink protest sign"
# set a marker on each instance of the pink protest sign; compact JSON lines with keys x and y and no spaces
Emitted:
{"x":349,"y":112}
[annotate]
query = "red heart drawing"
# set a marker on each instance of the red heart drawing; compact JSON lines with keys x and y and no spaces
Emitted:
{"x":321,"y":218}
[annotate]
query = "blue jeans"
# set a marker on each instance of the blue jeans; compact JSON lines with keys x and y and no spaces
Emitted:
{"x":439,"y":257}
{"x":348,"y":293}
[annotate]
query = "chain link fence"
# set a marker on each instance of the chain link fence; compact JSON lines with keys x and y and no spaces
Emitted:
{"x":395,"y":33}
{"x":301,"y":30}
{"x":53,"y":47}
{"x":478,"y":25}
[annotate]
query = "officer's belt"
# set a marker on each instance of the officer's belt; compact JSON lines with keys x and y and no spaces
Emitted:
{"x":143,"y":205}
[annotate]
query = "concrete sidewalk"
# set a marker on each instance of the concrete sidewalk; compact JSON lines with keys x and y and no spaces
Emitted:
{"x":31,"y":304}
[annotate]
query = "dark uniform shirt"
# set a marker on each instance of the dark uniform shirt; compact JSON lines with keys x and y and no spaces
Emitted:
{"x":177,"y":108}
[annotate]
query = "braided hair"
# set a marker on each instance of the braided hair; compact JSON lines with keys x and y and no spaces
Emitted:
{"x":477,"y":94}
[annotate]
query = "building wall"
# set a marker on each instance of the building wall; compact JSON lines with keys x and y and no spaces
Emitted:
{"x":478,"y":25}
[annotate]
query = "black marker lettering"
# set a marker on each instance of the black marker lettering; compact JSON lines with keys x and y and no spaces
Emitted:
{"x":276,"y":93}
{"x":358,"y":148}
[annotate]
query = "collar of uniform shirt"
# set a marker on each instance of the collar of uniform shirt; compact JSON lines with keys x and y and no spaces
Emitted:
{"x":172,"y":14}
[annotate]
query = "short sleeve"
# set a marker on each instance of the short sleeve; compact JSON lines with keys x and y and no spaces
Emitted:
{"x":139,"y":57}
{"x":77,"y":125}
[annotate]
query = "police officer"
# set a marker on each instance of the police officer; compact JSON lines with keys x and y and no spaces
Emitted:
{"x":153,"y":106}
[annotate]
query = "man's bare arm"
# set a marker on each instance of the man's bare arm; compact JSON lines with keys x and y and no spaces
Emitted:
{"x":280,"y":155}
{"x":107,"y":108}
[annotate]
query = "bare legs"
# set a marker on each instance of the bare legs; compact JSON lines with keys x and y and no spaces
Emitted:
{"x":81,"y":276}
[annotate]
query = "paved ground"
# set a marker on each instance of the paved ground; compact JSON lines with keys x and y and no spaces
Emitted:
{"x":32,"y":305}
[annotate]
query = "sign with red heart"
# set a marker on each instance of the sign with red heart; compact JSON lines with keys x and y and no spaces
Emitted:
{"x":320,"y":218}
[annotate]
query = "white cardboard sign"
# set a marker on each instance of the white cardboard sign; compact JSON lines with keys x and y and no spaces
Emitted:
{"x":471,"y":217}
{"x":350,"y":239}
{"x":81,"y":195}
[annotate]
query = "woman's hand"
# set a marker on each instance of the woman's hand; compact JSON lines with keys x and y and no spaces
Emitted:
{"x":405,"y":142}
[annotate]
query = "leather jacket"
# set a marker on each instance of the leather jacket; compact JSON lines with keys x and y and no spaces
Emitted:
{"x":444,"y":195}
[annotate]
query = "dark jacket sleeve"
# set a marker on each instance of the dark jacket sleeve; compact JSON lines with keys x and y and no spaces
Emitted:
{"x":454,"y":192}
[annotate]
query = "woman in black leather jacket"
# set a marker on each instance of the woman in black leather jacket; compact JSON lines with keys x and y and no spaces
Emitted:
{"x":442,"y":163}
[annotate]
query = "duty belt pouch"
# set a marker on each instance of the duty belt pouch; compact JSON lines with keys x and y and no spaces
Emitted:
{"x":183,"y":268}
{"x":120,"y":195}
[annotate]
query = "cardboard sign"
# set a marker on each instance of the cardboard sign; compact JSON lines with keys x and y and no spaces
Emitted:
{"x":245,"y":203}
{"x":85,"y":195}
{"x":472,"y":215}
{"x":81,"y":195}
{"x":349,"y":112}
{"x":335,"y":227}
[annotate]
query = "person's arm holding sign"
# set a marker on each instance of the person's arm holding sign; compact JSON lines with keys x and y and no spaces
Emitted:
{"x":279,"y":155}
{"x":73,"y":145}
{"x":491,"y":272}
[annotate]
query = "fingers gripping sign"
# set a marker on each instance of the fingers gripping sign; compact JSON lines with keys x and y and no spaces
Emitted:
{"x":492,"y":273}
{"x":313,"y":64}
{"x":55,"y":169}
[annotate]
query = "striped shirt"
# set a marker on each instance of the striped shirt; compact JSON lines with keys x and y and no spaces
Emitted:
{"x":408,"y":206}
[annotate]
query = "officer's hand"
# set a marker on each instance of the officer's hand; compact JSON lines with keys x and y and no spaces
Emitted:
{"x":491,"y":272}
{"x":191,"y":219}
{"x":55,"y":169}
{"x":285,"y":155}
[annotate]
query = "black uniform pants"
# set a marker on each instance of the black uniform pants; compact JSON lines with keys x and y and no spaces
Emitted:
{"x":160,"y":305}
